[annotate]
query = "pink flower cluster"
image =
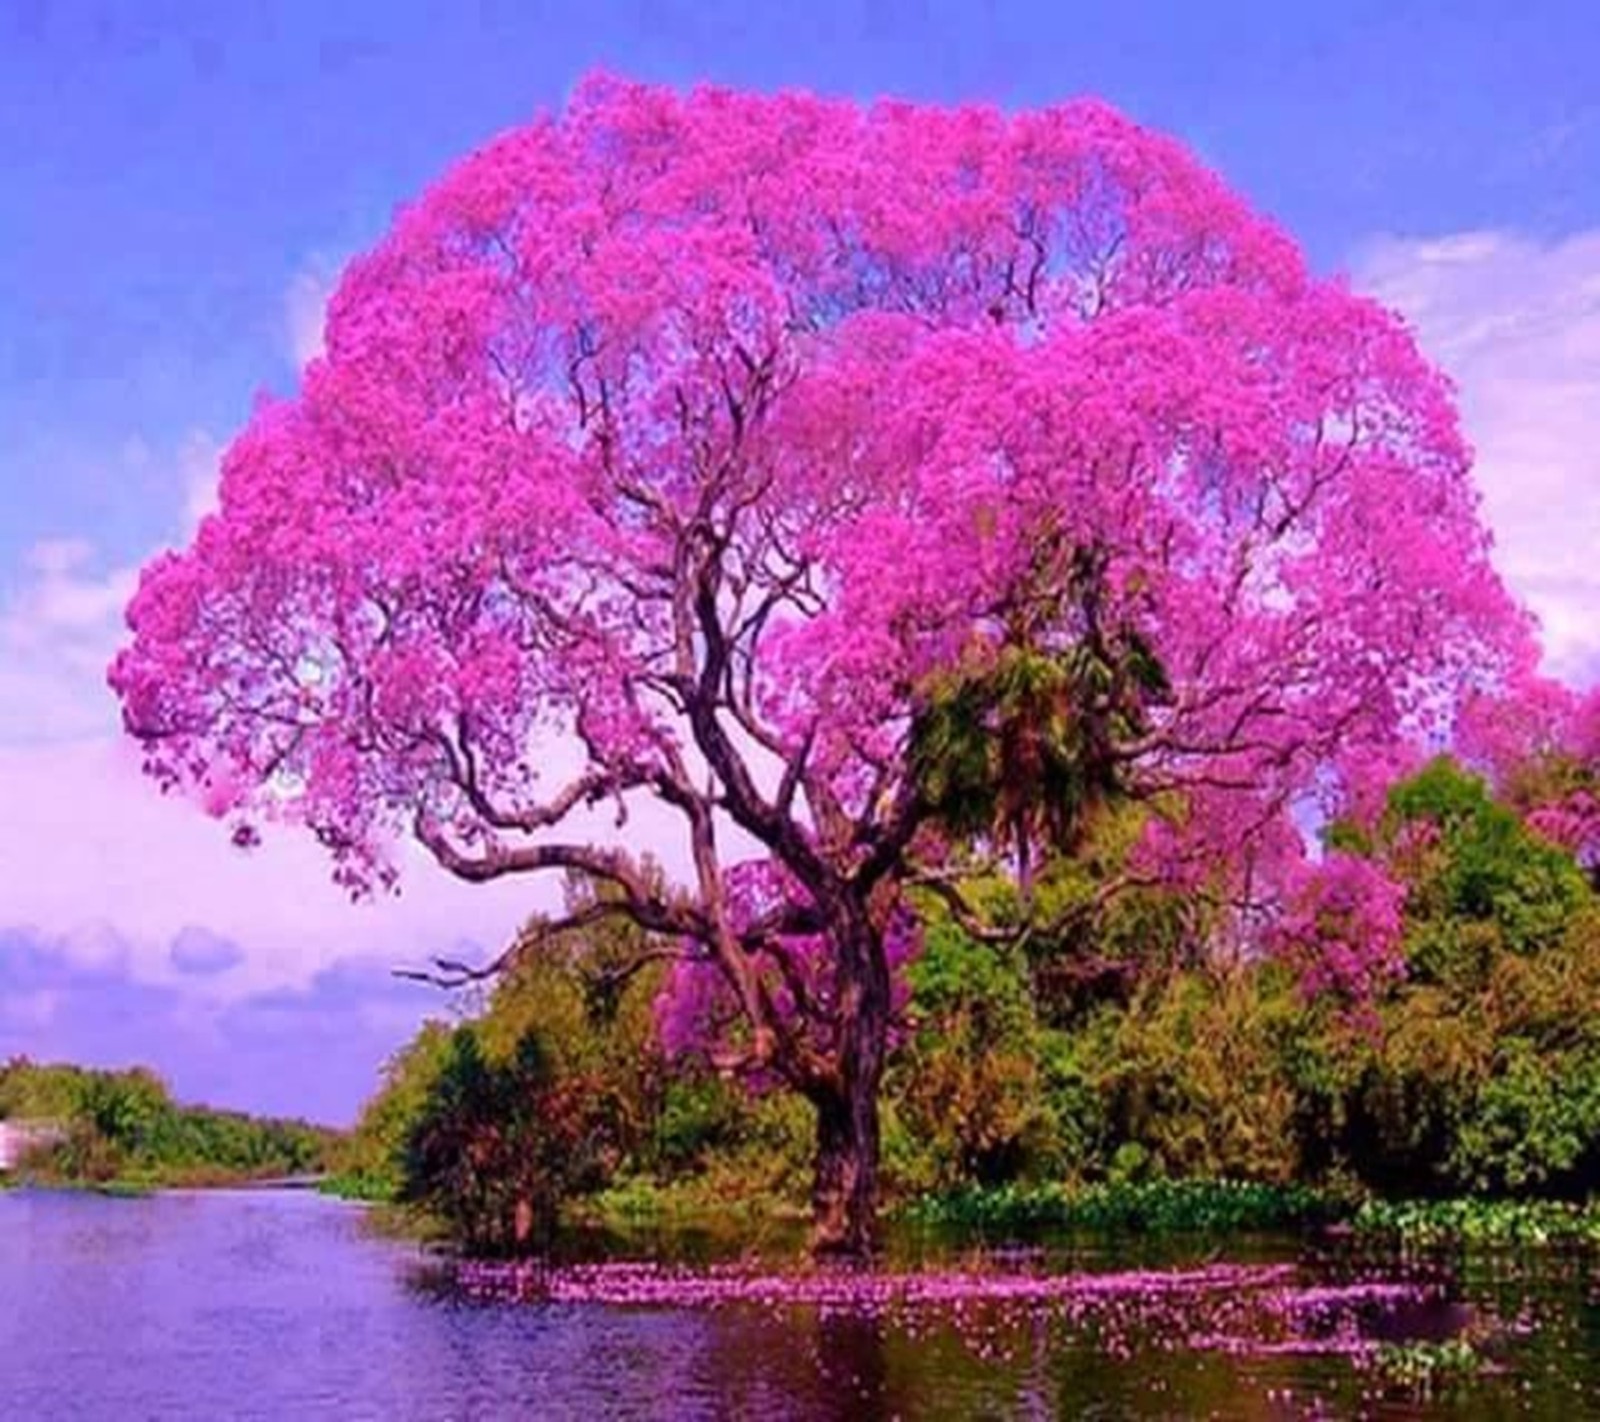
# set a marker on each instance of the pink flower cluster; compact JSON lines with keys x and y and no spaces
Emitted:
{"x":1259,"y":1310}
{"x":1343,"y":926}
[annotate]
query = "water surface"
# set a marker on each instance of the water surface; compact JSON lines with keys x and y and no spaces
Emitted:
{"x":280,"y":1304}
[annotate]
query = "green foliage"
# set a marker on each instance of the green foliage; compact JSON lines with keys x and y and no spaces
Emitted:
{"x":570,"y":1029}
{"x":1494,"y":1089}
{"x":968,"y":1085}
{"x":1482,"y":1071}
{"x":1530,"y":1124}
{"x":363,"y":1187}
{"x":700,"y":1118}
{"x":1478,"y":1072}
{"x":771,"y":1152}
{"x":1194,"y":1073}
{"x":1089,"y":952}
{"x":1481,"y":1222}
{"x":1076,"y":1123}
{"x":1424,"y":1368}
{"x":1485,"y":882}
{"x":1102,"y":1074}
{"x":1022,"y":749}
{"x":368,"y":1166}
{"x":500,"y":1142}
{"x":592,"y":1024}
{"x":32,"y":1091}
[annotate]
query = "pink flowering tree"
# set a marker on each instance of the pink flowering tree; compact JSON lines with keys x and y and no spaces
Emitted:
{"x":1343,"y":927}
{"x":1539,"y":741}
{"x":685,"y":442}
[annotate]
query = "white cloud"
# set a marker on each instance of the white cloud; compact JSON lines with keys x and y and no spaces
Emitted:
{"x":58,"y":630}
{"x":63,"y":598}
{"x":61,"y":620}
{"x":96,"y":861}
{"x":1516,"y":323}
{"x":305,"y":309}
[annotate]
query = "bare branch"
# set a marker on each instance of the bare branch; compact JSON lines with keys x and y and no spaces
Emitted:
{"x":587,"y":789}
{"x":454,"y":973}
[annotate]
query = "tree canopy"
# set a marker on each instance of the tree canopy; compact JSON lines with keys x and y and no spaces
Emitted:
{"x":685,"y":446}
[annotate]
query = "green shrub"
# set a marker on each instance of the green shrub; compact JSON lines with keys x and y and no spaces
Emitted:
{"x":499,"y":1145}
{"x":971,"y":1086}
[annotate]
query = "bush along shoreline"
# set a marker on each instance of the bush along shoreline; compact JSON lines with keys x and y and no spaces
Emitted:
{"x":1150,"y":1207}
{"x":1107,"y":1076}
{"x":1237,"y":1206}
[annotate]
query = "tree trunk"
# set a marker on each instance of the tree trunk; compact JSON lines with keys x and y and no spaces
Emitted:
{"x":844,"y":1195}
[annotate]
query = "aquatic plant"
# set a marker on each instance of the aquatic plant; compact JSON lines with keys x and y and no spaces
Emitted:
{"x":1482,"y":1222}
{"x":1156,"y":1206}
{"x":1425,"y":1368}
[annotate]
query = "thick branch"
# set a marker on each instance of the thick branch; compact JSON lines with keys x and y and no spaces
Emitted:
{"x":640,"y":901}
{"x":947,"y":889}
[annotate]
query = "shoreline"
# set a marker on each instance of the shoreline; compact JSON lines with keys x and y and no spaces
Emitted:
{"x":1157,"y":1210}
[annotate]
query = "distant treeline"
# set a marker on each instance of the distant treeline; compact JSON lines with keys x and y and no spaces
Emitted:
{"x":123,"y":1127}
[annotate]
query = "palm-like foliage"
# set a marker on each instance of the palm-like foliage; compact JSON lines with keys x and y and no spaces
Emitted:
{"x":1022,"y":746}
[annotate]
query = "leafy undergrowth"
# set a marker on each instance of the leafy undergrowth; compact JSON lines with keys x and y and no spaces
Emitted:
{"x":1157,"y":1206}
{"x":1227,"y":1206}
{"x":122,"y":1187}
{"x":641,"y":1201}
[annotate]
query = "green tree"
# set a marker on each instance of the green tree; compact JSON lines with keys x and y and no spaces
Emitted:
{"x":499,"y":1145}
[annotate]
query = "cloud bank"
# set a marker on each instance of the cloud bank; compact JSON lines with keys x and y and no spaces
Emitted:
{"x":305,"y":311}
{"x":310,"y":1051}
{"x":1516,"y":324}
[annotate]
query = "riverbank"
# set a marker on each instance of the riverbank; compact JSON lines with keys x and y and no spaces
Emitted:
{"x":121,"y":1132}
{"x":139,"y":1185}
{"x":1216,"y":1208}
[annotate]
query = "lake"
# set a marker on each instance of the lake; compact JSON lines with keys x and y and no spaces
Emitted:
{"x":282,"y":1304}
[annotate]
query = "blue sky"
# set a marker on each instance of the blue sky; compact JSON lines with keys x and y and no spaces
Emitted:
{"x":182,"y":182}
